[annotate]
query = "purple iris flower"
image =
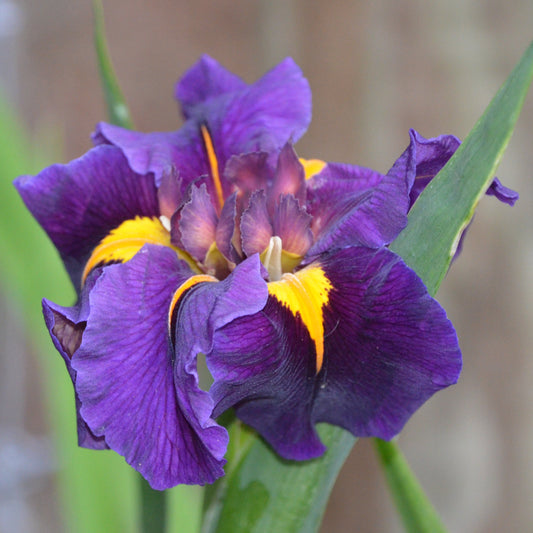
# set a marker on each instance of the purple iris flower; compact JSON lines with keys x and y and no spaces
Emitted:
{"x":218,"y":240}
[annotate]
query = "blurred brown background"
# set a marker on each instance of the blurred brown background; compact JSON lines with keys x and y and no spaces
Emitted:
{"x":376,"y":69}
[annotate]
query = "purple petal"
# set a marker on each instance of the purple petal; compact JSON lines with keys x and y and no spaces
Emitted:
{"x":292,"y":225}
{"x":205,"y":80}
{"x":266,"y":115}
{"x":227,"y":233}
{"x":256,"y":229}
{"x":354,"y":205}
{"x":125,"y":375}
{"x":264,"y":367}
{"x":206,"y":308}
{"x":159,"y":152}
{"x":66,"y":326}
{"x":289,"y":178}
{"x":504,"y":194}
{"x":262,"y":116}
{"x":388,"y":344}
{"x":170,"y":193}
{"x":388,"y":347}
{"x":423,"y":159}
{"x":80,"y":203}
{"x":197,"y":223}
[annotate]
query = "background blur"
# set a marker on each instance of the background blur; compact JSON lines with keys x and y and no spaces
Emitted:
{"x":376,"y":69}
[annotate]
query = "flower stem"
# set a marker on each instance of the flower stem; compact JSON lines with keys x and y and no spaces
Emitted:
{"x":417,"y":512}
{"x":153,"y":508}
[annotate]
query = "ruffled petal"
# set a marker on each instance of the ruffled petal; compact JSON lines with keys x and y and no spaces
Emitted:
{"x":264,"y":367}
{"x":262,"y":116}
{"x":79,"y":203}
{"x":125,"y":375}
{"x":424,"y":158}
{"x":205,"y":80}
{"x":387,"y":345}
{"x":289,"y":179}
{"x":256,"y":229}
{"x":292,"y":224}
{"x":66,"y":326}
{"x":354,"y":205}
{"x":203,"y":310}
{"x":197,"y":223}
{"x":159,"y":152}
{"x":267,"y":114}
{"x":504,"y":194}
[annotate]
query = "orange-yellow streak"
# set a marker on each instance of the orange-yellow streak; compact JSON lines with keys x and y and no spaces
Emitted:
{"x":306,"y":293}
{"x":213,"y":165}
{"x":122,"y":243}
{"x":193,"y":280}
{"x":312,"y":166}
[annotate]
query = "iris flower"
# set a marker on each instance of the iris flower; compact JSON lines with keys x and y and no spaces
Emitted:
{"x":218,"y":240}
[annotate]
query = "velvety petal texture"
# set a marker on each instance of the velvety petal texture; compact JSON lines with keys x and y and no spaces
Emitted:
{"x":81,"y":202}
{"x":66,"y":326}
{"x":125,"y":368}
{"x":354,"y":205}
{"x":388,"y":347}
{"x":239,"y":118}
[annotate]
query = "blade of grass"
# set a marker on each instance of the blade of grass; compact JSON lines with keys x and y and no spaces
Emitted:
{"x":117,"y":109}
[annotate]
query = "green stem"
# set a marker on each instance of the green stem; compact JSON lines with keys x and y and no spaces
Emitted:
{"x":117,"y":109}
{"x":417,"y":512}
{"x":153,"y":508}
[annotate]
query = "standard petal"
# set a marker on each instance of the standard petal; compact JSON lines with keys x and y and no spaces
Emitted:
{"x":125,"y":377}
{"x":78,"y":204}
{"x":205,"y":80}
{"x":159,"y":152}
{"x":273,"y":110}
{"x":354,"y":205}
{"x":388,"y":345}
{"x":262,"y":116}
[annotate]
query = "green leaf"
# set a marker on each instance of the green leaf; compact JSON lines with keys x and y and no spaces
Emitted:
{"x":415,"y":509}
{"x":427,"y":245}
{"x":117,"y":109}
{"x":446,"y":206}
{"x":263,"y":493}
{"x":290,"y":496}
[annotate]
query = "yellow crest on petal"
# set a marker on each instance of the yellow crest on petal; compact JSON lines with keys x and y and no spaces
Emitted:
{"x":122,"y":243}
{"x":185,"y":286}
{"x":312,"y":166}
{"x":305,"y":294}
